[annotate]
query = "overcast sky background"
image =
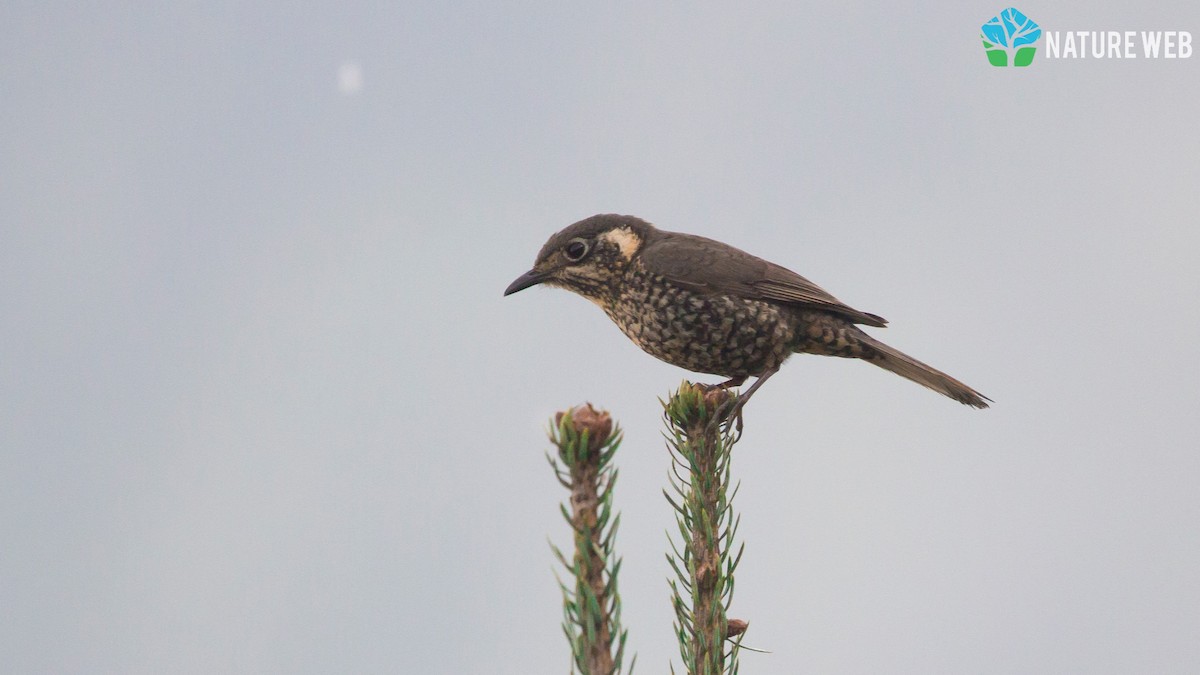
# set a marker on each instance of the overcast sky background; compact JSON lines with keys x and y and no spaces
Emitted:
{"x":264,"y":410}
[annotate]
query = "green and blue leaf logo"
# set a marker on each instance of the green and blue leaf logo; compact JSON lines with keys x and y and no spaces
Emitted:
{"x":1010,"y":38}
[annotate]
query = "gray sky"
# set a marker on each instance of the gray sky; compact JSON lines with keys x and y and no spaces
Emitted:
{"x":263,"y":407}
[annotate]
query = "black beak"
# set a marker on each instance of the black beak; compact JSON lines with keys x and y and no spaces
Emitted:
{"x":530,"y":278}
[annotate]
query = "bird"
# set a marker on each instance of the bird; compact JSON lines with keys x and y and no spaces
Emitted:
{"x":709,"y":307}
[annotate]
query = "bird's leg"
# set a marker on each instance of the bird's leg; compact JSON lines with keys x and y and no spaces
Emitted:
{"x":732,"y":382}
{"x":743,"y":398}
{"x":735,"y":406}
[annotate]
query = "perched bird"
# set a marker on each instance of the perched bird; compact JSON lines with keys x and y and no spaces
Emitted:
{"x":711,"y":308}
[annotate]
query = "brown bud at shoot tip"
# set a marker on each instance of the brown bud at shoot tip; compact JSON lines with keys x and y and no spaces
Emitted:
{"x":598,"y":423}
{"x":715,"y":397}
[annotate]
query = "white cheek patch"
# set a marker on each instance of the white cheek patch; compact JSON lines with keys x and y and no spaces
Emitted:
{"x":584,"y":273}
{"x":625,"y":239}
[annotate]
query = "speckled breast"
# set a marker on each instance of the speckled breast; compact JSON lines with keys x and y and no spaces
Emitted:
{"x":718,"y":334}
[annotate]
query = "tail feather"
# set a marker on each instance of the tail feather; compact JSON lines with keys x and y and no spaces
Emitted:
{"x":906,"y":366}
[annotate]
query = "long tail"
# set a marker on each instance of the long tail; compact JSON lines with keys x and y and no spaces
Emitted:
{"x":906,"y":366}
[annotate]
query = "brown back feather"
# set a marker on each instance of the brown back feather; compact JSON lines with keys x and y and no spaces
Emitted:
{"x":710,"y":266}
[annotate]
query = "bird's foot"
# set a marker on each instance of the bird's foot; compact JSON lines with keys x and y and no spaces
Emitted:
{"x":732,"y":382}
{"x":731,"y":410}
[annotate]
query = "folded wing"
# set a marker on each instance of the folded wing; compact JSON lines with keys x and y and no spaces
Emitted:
{"x":709,"y":266}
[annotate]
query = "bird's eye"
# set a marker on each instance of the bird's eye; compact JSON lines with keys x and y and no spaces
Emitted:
{"x":575,"y":250}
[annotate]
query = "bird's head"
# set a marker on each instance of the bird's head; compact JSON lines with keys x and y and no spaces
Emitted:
{"x":587,"y":257}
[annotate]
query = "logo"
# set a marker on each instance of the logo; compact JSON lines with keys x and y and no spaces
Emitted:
{"x":1009,"y":39}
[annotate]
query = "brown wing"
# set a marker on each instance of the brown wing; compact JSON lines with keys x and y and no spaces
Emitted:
{"x":712,"y":267}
